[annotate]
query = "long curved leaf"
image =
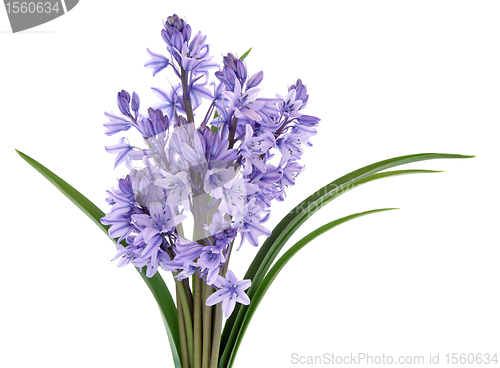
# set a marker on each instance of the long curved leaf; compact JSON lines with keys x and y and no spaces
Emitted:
{"x":156,"y":284}
{"x":304,"y":210}
{"x":278,"y":266}
{"x":295,"y":218}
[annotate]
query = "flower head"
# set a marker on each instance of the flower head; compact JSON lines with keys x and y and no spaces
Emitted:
{"x":223,"y":173}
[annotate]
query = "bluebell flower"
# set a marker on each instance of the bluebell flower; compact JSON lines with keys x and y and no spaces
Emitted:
{"x":122,"y":150}
{"x":116,"y":124}
{"x":195,"y":57}
{"x":123,"y":101}
{"x":170,"y":101}
{"x":157,"y":62}
{"x":252,"y":148}
{"x":235,"y":70}
{"x":290,"y":105}
{"x":249,"y":223}
{"x":155,"y":124}
{"x":255,"y":80}
{"x":301,"y":92}
{"x":230,"y":290}
{"x":290,"y":172}
{"x":178,"y":188}
{"x":244,"y":104}
{"x":135,"y":104}
{"x":176,"y":32}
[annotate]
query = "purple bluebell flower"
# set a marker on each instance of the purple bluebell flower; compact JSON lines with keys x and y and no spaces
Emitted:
{"x":255,"y":80}
{"x":122,"y":203}
{"x":249,"y":223}
{"x":116,"y":124}
{"x":301,"y":92}
{"x":176,"y":32}
{"x":170,"y":101}
{"x":308,"y":120}
{"x":291,"y":105}
{"x":122,"y":150}
{"x":210,"y":262}
{"x":157,"y":62}
{"x":230,"y":290}
{"x":253,"y":148}
{"x":233,"y":195}
{"x":178,"y":188}
{"x":123,"y":100}
{"x":136,"y":103}
{"x":155,"y":124}
{"x":290,"y":172}
{"x":234,"y":69}
{"x":244,"y":104}
{"x":196,"y":57}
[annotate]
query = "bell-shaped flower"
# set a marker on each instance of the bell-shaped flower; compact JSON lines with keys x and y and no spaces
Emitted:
{"x":233,"y":195}
{"x":290,"y":106}
{"x":217,"y":178}
{"x":122,"y":150}
{"x":177,"y":186}
{"x":169,"y":101}
{"x":253,"y":149}
{"x":116,"y":124}
{"x":157,"y":62}
{"x":230,"y":290}
{"x":244,"y":104}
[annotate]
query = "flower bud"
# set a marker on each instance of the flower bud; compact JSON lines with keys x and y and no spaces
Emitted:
{"x":136,"y":103}
{"x":255,"y":80}
{"x":123,"y":100}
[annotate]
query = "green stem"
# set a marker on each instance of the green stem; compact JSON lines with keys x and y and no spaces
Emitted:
{"x":232,"y":132}
{"x":188,"y":322}
{"x":207,"y":328}
{"x":182,"y":333}
{"x":198,"y":330}
{"x":187,"y":99}
{"x":216,"y":336}
{"x":189,"y":294}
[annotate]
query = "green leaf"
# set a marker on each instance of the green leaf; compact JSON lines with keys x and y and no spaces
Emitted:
{"x":295,"y":218}
{"x":245,"y":54}
{"x":278,"y":266}
{"x":156,"y":284}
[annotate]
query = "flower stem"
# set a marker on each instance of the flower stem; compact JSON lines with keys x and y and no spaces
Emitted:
{"x":232,"y":132}
{"x":182,"y":334}
{"x":186,"y":97}
{"x":189,"y":294}
{"x":188,"y":322}
{"x":216,"y":336}
{"x":207,"y":329}
{"x":198,"y":328}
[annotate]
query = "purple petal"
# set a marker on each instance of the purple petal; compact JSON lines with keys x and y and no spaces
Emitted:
{"x":217,"y":297}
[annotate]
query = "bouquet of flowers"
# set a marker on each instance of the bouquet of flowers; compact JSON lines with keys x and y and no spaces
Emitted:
{"x":201,"y":186}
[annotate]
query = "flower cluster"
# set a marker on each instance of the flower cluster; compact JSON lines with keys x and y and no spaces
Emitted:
{"x":224,"y":173}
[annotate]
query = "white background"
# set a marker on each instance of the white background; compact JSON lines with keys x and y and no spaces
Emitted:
{"x":387,"y":78}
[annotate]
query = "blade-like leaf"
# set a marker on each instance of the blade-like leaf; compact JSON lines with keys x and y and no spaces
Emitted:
{"x":295,"y":218}
{"x":291,"y":222}
{"x":278,"y":266}
{"x":156,"y":284}
{"x":245,"y":54}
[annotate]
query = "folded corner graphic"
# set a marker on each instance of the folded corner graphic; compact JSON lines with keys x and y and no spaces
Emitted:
{"x":31,"y":13}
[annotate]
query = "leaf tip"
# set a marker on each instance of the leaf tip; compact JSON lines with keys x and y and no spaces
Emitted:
{"x":245,"y":54}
